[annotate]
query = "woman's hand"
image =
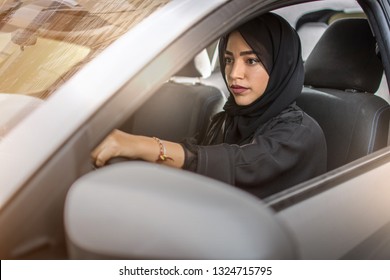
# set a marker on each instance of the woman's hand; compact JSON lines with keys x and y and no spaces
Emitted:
{"x":121,"y":144}
{"x":116,"y":144}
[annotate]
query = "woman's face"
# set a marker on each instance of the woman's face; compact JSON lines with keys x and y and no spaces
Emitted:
{"x":245,"y":74}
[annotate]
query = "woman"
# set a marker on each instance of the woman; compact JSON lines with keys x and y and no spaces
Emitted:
{"x":262,"y":142}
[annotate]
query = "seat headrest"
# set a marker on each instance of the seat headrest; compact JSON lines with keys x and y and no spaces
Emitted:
{"x":200,"y":66}
{"x":310,"y":33}
{"x":345,"y":58}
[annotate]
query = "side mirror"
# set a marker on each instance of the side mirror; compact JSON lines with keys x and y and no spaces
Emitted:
{"x":138,"y":210}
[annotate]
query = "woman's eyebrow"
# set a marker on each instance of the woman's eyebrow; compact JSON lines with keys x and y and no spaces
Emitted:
{"x":247,"y":52}
{"x":241,"y":53}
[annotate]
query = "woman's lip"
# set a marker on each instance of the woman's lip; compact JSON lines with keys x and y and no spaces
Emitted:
{"x":238,"y":89}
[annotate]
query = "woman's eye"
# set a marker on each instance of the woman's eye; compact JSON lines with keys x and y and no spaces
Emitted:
{"x":252,"y":61}
{"x":228,"y":60}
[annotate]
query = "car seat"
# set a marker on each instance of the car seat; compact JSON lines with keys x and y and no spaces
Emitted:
{"x":312,"y":25}
{"x":182,"y":107}
{"x":341,"y":75}
{"x":310,"y":28}
{"x":309,"y":34}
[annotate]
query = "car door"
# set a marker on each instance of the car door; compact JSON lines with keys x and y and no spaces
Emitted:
{"x":345,"y":213}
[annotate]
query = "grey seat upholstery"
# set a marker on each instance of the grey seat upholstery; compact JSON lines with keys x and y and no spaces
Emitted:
{"x":341,"y":74}
{"x":309,"y":34}
{"x":181,"y":108}
{"x":177,"y":111}
{"x":311,"y":26}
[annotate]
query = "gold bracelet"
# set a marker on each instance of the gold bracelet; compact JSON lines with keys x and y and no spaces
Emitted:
{"x":163,"y":151}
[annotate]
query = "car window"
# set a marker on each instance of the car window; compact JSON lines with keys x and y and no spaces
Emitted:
{"x":43,"y":43}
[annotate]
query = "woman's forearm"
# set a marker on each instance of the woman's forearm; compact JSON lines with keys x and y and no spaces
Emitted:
{"x":121,"y":144}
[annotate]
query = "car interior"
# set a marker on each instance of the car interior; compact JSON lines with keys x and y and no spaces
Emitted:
{"x":355,"y":121}
{"x":198,"y":103}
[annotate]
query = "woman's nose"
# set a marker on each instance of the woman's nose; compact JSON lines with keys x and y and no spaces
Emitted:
{"x":237,"y":71}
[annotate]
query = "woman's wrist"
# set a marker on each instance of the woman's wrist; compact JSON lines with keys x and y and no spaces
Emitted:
{"x":144,"y":148}
{"x":153,"y":149}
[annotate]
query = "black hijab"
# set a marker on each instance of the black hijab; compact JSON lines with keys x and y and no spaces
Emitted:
{"x":278,"y":47}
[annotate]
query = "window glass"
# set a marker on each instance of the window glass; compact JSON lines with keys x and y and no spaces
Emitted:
{"x":44,"y":42}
